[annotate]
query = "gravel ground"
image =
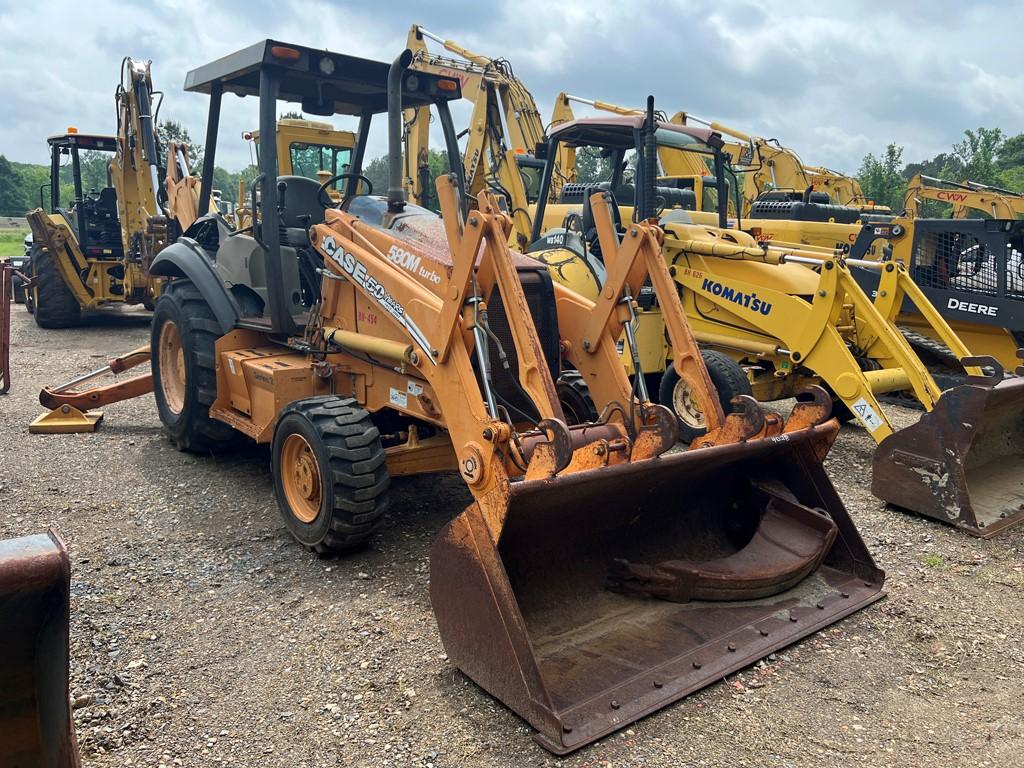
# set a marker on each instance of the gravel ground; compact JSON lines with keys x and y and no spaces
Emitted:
{"x":202,"y":634}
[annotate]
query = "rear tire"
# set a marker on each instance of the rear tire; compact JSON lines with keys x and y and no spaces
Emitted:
{"x":729,"y":380}
{"x":182,"y":338}
{"x":330,"y":473}
{"x":55,"y":306}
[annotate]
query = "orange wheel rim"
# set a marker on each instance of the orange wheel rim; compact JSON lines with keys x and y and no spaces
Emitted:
{"x":300,"y":475}
{"x":172,"y":367}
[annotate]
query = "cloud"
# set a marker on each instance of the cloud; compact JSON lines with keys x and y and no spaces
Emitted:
{"x":831,"y":81}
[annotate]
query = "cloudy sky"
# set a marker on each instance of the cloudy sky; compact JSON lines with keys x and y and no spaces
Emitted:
{"x":832,"y":81}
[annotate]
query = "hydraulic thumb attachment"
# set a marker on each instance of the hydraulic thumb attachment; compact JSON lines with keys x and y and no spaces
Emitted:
{"x":69,"y":407}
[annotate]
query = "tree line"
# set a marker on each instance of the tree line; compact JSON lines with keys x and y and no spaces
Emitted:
{"x":985,"y":156}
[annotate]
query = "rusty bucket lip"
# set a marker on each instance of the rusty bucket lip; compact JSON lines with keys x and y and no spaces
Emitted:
{"x":584,"y":722}
{"x":34,"y":560}
{"x":656,"y":689}
{"x":671,"y":461}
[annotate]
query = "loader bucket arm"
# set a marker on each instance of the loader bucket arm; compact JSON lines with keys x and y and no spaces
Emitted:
{"x":35,"y":713}
{"x":629,"y":263}
{"x":963,"y":461}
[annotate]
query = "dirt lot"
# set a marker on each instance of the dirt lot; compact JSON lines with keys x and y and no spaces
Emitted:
{"x":202,"y":634}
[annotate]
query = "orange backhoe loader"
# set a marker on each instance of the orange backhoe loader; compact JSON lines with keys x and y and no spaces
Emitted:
{"x":597,"y":576}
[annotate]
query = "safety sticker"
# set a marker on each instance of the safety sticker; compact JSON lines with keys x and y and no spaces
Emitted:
{"x":231,"y":365}
{"x":869,"y":416}
{"x":415,"y":389}
{"x":398,"y":397}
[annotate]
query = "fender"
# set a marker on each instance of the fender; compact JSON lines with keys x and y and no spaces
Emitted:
{"x":185,"y":258}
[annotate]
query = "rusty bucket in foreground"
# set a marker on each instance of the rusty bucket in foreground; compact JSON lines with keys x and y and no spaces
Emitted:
{"x":35,"y":716}
{"x":962,"y":463}
{"x":605,"y":595}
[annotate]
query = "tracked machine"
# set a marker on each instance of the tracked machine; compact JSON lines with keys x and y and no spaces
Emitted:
{"x":596,"y":576}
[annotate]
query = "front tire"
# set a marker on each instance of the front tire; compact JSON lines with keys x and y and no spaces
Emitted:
{"x":330,"y":473}
{"x":55,"y":306}
{"x":726,"y":375}
{"x":182,"y":338}
{"x":574,"y":396}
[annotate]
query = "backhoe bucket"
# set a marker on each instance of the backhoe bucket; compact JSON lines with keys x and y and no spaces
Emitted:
{"x":35,"y":715}
{"x":601,"y":596}
{"x":962,"y":463}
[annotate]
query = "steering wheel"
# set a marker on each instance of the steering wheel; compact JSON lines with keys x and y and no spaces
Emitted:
{"x":573,"y":222}
{"x":324,"y":199}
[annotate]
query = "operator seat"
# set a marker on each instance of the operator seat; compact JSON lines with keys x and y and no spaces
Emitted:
{"x":301,"y":209}
{"x":106,"y":205}
{"x":301,"y":202}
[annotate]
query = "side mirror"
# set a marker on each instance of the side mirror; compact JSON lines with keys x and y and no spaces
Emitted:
{"x":316,"y":105}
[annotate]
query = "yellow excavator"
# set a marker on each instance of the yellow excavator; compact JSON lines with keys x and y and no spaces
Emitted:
{"x":769,"y":167}
{"x":503,"y":132}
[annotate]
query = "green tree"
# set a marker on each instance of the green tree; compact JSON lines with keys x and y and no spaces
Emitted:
{"x":12,"y":189}
{"x":94,"y":167}
{"x":172,"y":130}
{"x":1012,"y":178}
{"x":377,"y":172}
{"x":1011,"y":152}
{"x":881,"y":177}
{"x":977,"y":154}
{"x":592,"y":167}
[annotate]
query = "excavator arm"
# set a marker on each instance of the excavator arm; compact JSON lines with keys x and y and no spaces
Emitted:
{"x":505,"y":123}
{"x":964,"y":197}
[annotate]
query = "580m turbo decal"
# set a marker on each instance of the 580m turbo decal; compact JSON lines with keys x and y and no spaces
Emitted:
{"x":357,"y":271}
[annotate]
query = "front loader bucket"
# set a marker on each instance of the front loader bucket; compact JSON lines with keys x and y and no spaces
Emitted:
{"x":962,"y":463}
{"x":613,"y":592}
{"x":35,"y":715}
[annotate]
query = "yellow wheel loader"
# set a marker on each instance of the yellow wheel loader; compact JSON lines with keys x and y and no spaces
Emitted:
{"x":968,"y":269}
{"x":596,"y":577}
{"x":783,"y":324}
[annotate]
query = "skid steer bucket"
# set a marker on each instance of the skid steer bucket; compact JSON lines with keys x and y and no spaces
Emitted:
{"x":962,"y":463}
{"x":35,"y":715}
{"x":601,"y":596}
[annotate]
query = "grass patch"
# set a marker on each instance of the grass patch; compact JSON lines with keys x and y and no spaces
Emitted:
{"x":12,"y":242}
{"x":932,"y":560}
